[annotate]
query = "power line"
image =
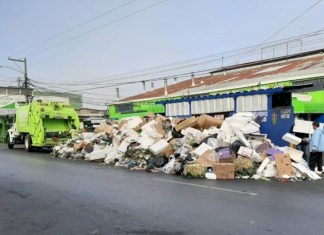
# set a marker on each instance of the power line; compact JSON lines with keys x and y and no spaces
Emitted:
{"x":193,"y":62}
{"x":74,"y":27}
{"x":97,"y":28}
{"x":292,"y":21}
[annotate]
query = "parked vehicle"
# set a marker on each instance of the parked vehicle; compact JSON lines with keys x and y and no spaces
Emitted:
{"x":42,"y":124}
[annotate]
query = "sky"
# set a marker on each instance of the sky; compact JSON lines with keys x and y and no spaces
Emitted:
{"x":94,"y":46}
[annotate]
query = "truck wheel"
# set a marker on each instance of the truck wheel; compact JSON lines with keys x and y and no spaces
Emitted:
{"x":10,"y":145}
{"x":28,"y":143}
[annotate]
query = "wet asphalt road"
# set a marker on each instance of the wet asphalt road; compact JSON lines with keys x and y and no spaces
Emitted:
{"x":42,"y":195}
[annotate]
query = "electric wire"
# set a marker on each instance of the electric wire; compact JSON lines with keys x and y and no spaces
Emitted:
{"x":97,"y":28}
{"x":230,"y":54}
{"x":73,"y":27}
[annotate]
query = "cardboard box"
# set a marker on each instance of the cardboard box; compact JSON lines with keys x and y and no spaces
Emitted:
{"x":160,"y":118}
{"x":190,"y":122}
{"x":139,"y":126}
{"x":88,"y":147}
{"x":121,"y":123}
{"x":202,"y":149}
{"x":284,"y":166}
{"x":207,"y":159}
{"x":224,"y":170}
{"x":245,"y":152}
{"x":103,"y":127}
{"x":159,"y":128}
{"x":169,"y":151}
{"x":79,"y":146}
{"x":159,"y":146}
{"x":225,"y":155}
{"x":205,"y":122}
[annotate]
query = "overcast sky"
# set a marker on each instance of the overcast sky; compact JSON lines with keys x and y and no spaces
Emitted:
{"x":136,"y":35}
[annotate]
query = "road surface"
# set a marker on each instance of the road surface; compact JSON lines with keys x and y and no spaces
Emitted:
{"x":44,"y":195}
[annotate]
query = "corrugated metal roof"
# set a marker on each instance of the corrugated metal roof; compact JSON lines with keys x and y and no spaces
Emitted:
{"x":283,"y":70}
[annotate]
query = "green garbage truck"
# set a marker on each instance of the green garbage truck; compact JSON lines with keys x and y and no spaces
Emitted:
{"x":42,"y":124}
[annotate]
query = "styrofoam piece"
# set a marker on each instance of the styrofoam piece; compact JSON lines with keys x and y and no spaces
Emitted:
{"x":263,"y":165}
{"x":97,"y":148}
{"x":123,"y":146}
{"x":291,"y":138}
{"x":238,"y":121}
{"x":233,"y":139}
{"x":302,"y":126}
{"x":200,"y":137}
{"x":211,"y":131}
{"x":210,"y":176}
{"x":96,"y":155}
{"x":153,"y":133}
{"x":190,"y":132}
{"x":120,"y":134}
{"x":245,"y":152}
{"x":112,"y":154}
{"x":228,"y":138}
{"x":304,"y":169}
{"x":270,"y":170}
{"x":255,"y":143}
{"x":159,"y":146}
{"x":202,"y":149}
{"x":215,"y":143}
{"x":133,"y":122}
{"x":248,"y":115}
{"x":226,"y":128}
{"x":251,"y":127}
{"x":294,"y":154}
{"x":145,"y":141}
{"x":256,"y":157}
{"x":241,"y":137}
{"x":132,"y":135}
{"x":150,"y":124}
{"x":87,"y":135}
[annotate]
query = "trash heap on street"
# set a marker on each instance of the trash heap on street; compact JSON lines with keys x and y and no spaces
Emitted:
{"x":197,"y":147}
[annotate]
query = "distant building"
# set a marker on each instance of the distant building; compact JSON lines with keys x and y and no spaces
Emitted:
{"x":298,"y":70}
{"x":74,"y":99}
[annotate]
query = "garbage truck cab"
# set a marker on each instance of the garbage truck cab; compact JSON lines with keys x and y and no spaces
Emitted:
{"x":42,"y":124}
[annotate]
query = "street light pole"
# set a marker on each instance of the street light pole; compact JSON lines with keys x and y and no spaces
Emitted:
{"x":25,"y":75}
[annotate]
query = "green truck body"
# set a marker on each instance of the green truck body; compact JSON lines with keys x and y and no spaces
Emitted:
{"x":43,"y":124}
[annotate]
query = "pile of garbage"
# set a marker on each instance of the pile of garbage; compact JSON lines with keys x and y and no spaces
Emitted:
{"x":197,"y":147}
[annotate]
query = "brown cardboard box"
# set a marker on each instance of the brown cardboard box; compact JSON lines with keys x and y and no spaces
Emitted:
{"x":283,"y":164}
{"x":104,"y":128}
{"x":224,"y":170}
{"x":176,"y":120}
{"x":169,"y":151}
{"x":78,"y":146}
{"x":121,"y":123}
{"x":207,"y":159}
{"x":173,"y":141}
{"x":139,"y":126}
{"x":159,"y":128}
{"x":190,"y":122}
{"x":205,"y":122}
{"x":160,"y":118}
{"x":88,"y":148}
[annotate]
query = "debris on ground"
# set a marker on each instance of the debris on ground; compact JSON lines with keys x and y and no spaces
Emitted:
{"x":196,"y":147}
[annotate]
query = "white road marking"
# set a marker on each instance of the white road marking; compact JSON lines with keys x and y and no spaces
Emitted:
{"x":210,"y":187}
{"x":57,"y":163}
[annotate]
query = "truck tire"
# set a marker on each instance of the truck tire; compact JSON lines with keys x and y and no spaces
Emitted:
{"x":10,"y":145}
{"x":28,"y":143}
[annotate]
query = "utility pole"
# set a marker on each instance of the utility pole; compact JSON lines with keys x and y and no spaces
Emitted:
{"x":25,"y":75}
